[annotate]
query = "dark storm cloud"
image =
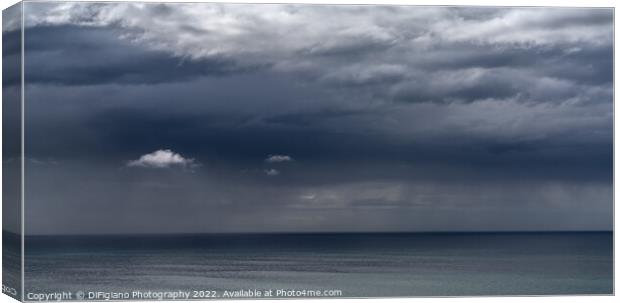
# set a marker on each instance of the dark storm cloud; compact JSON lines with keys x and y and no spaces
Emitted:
{"x":240,"y":140}
{"x":394,"y":118}
{"x":73,"y":55}
{"x":586,"y":63}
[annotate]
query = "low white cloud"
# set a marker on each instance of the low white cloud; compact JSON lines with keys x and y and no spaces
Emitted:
{"x":308,"y":197}
{"x":278,"y":158}
{"x":272,"y":172}
{"x":162,"y":158}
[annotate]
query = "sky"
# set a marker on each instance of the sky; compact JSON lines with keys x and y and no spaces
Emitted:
{"x":192,"y":118}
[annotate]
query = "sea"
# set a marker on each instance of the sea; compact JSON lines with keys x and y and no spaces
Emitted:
{"x":319,"y":265}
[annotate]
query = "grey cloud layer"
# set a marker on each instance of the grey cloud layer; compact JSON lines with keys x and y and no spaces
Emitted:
{"x":309,"y":111}
{"x":393,"y":49}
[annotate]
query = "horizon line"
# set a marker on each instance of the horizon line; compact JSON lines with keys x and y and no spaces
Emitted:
{"x":312,"y":233}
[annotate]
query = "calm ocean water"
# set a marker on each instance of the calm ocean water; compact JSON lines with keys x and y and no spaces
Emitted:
{"x":358,"y":265}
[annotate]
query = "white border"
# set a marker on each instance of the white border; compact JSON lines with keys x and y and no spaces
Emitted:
{"x":565,"y":3}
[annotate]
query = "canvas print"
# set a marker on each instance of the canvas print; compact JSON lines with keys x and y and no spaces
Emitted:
{"x":198,"y":151}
